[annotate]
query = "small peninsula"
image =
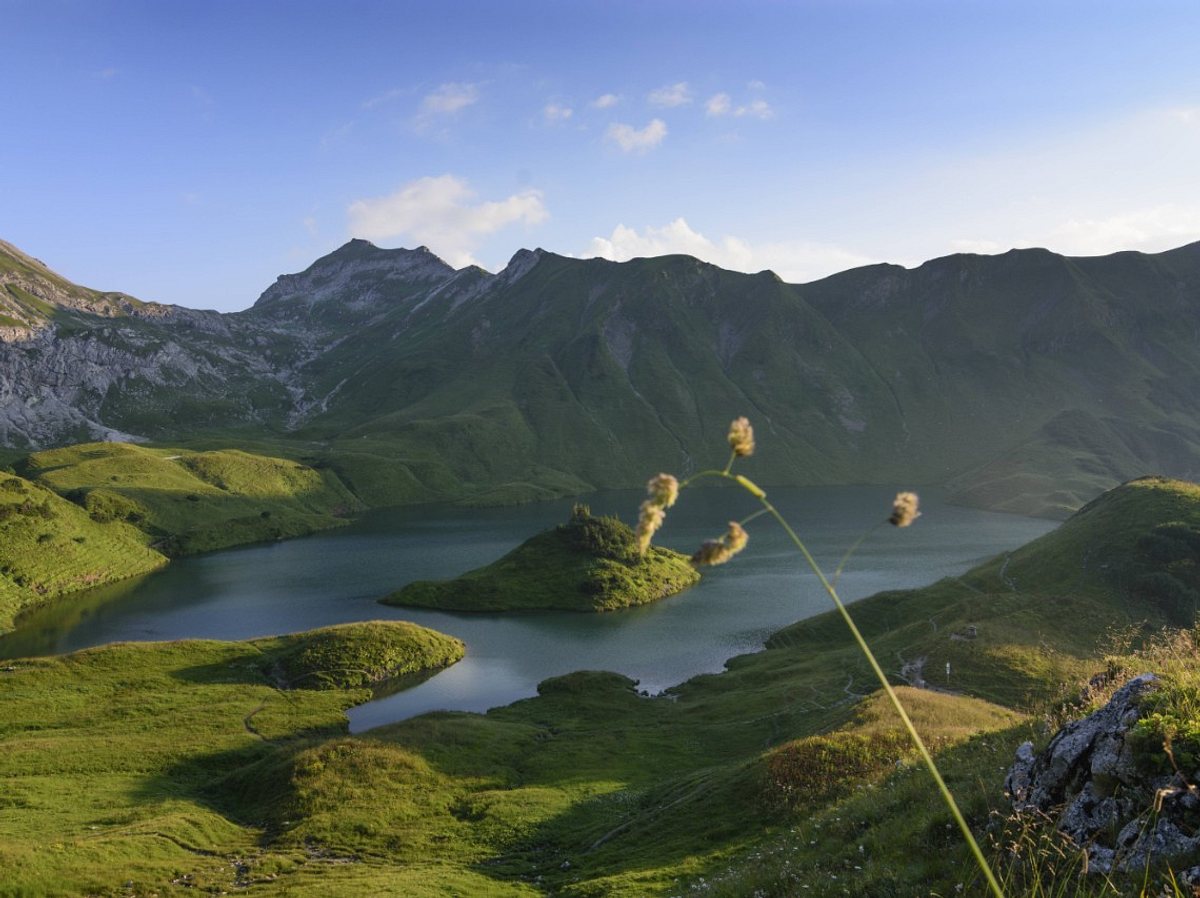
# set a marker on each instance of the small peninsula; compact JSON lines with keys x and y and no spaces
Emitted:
{"x":587,"y":564}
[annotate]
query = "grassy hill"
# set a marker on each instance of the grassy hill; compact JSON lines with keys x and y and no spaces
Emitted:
{"x":50,"y":547}
{"x":586,"y":564}
{"x":188,"y":501}
{"x":95,"y":513}
{"x":118,"y":763}
{"x":782,"y":776}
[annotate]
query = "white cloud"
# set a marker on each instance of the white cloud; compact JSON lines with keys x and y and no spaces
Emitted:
{"x":441,"y":214}
{"x":794,"y":261}
{"x":632,"y":140}
{"x":671,"y":95}
{"x":605,"y":101}
{"x":106,"y":74}
{"x":557,"y":113}
{"x":755,"y":109}
{"x":449,"y":98}
{"x":718,"y":105}
{"x":1151,"y":229}
{"x":722,"y":104}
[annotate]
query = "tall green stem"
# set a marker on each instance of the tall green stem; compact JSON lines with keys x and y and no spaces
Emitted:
{"x":887,"y":687}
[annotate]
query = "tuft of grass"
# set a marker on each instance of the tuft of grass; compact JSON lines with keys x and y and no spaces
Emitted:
{"x":348,"y":656}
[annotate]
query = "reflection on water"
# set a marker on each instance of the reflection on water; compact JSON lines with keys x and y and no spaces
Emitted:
{"x":336,"y":576}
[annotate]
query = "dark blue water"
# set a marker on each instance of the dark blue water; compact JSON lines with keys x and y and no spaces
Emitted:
{"x":337,"y":576}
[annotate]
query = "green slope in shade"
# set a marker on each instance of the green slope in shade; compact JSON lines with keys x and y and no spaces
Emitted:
{"x":50,"y":547}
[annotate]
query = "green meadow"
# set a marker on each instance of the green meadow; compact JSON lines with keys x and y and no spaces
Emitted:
{"x":170,"y":768}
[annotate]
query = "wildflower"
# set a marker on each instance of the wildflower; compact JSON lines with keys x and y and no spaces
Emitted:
{"x":741,"y":437}
{"x":904,"y":510}
{"x":663,"y":490}
{"x":719,"y":551}
{"x":650,"y":518}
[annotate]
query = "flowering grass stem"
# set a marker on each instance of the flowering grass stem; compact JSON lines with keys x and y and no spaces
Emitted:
{"x":904,"y":515}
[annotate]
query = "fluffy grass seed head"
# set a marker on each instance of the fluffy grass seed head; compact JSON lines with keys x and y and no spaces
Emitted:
{"x":736,"y":537}
{"x":741,"y":437}
{"x":650,"y":518}
{"x":663,"y":490}
{"x":719,"y":551}
{"x":904,"y":510}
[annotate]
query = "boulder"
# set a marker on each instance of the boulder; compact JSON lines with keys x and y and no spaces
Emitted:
{"x":1089,"y":780}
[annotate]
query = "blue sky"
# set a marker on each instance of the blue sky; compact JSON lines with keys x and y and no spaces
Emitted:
{"x":190,"y":152}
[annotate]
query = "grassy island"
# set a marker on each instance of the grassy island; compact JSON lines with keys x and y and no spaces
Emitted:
{"x":587,"y":564}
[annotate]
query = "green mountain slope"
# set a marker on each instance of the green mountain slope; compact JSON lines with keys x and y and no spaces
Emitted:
{"x":1009,"y":375}
{"x":50,"y":547}
{"x":186,"y":501}
{"x":1028,"y":380}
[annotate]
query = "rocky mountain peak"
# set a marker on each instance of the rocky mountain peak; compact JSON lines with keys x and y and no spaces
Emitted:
{"x":357,"y":273}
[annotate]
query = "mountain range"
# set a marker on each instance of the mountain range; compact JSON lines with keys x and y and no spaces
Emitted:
{"x":1026,"y":381}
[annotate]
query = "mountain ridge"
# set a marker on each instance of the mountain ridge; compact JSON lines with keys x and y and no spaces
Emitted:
{"x":1029,"y":381}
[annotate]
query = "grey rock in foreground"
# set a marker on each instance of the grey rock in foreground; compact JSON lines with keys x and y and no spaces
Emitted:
{"x":1089,"y":781}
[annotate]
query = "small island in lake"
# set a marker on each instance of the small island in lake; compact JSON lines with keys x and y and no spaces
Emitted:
{"x":587,"y":564}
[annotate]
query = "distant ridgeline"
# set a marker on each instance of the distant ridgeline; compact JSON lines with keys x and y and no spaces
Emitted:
{"x":586,"y":564}
{"x":1027,"y":381}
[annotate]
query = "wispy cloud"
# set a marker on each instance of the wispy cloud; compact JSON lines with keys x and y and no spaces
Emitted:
{"x":633,"y":140}
{"x":721,"y":104}
{"x":605,"y":101}
{"x":795,"y":261}
{"x":443,"y":104}
{"x":449,"y":98}
{"x":556,"y":112}
{"x":671,"y":95}
{"x":718,"y":105}
{"x":755,"y":109}
{"x":106,"y":74}
{"x":442,"y":214}
{"x":386,"y":97}
{"x":1152,"y":228}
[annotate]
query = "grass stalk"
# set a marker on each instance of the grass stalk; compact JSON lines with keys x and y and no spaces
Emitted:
{"x":831,"y":590}
{"x":947,"y":796}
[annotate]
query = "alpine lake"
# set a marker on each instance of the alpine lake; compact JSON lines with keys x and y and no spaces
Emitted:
{"x":337,"y":576}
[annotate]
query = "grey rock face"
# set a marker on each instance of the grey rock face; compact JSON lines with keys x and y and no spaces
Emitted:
{"x":1089,"y":779}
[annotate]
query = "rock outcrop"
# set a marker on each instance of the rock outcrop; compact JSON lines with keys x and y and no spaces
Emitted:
{"x":1092,"y":781}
